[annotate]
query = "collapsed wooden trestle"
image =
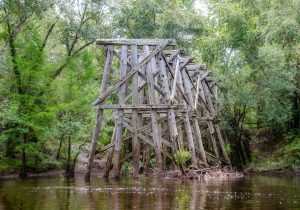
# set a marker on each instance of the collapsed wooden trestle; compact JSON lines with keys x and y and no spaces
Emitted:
{"x":165,"y":102}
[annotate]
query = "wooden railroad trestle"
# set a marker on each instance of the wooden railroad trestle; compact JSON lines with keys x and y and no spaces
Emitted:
{"x":165,"y":101}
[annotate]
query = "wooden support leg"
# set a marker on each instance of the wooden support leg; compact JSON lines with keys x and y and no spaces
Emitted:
{"x":222,"y":145}
{"x":120,"y":118}
{"x":180,"y":137}
{"x":187,"y":89}
{"x":108,"y":165}
{"x":96,"y":132}
{"x":167,"y":97}
{"x":213,"y":139}
{"x":189,"y":137}
{"x":135,"y":120}
{"x":199,"y":139}
{"x":152,"y":100}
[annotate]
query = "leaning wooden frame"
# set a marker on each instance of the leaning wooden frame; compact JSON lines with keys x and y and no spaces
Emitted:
{"x":165,"y":103}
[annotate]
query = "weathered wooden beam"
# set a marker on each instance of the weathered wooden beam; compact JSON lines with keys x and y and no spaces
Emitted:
{"x":135,"y":123}
{"x":150,"y":42}
{"x":199,"y":140}
{"x":221,"y":140}
{"x":171,"y":115}
{"x":146,"y":140}
{"x":152,"y":100}
{"x":213,"y":139}
{"x":127,"y":76}
{"x":139,"y":106}
{"x":172,"y":75}
{"x":174,"y":55}
{"x":99,"y":115}
{"x":119,"y":121}
{"x":188,"y":92}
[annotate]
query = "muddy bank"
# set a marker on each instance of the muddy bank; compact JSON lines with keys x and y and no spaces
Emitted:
{"x":278,"y":172}
{"x":46,"y":173}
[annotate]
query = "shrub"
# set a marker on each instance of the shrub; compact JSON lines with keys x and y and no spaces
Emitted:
{"x":182,"y":156}
{"x":127,"y":168}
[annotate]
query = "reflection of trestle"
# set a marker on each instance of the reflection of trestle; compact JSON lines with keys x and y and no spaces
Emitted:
{"x":164,"y":101}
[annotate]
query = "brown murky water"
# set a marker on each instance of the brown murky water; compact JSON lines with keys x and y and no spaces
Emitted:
{"x":256,"y":192}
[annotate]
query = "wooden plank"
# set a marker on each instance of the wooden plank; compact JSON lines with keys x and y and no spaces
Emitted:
{"x":152,"y":100}
{"x":198,"y":136}
{"x":175,"y":80}
{"x":174,"y":55}
{"x":139,"y":106}
{"x":171,"y":115}
{"x":99,"y":115}
{"x":146,"y":140}
{"x":127,"y":76}
{"x":221,"y":140}
{"x":109,"y":160}
{"x":142,"y":75}
{"x":208,"y":99}
{"x":215,"y":94}
{"x":120,"y":118}
{"x":193,"y":67}
{"x":213,"y":139}
{"x":135,"y":100}
{"x":197,"y":92}
{"x":172,"y":75}
{"x":190,"y":139}
{"x":150,"y":42}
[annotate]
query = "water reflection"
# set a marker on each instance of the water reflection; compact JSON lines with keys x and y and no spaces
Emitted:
{"x":257,"y":192}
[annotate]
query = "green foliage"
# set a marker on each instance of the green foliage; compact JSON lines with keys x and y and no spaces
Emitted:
{"x":292,"y":153}
{"x":182,"y":156}
{"x":153,"y":163}
{"x":127,"y":168}
{"x":9,"y":165}
{"x":286,"y":155}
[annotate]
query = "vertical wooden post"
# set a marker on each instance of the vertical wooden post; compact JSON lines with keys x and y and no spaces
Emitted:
{"x":135,"y":100}
{"x":215,"y":92}
{"x":222,"y":145}
{"x":180,"y":137}
{"x":120,"y":118}
{"x":141,"y":94}
{"x":176,"y":67}
{"x":199,"y":139}
{"x":171,"y":115}
{"x":108,"y":165}
{"x":204,"y":92}
{"x":99,"y":115}
{"x":152,"y":100}
{"x":213,"y":139}
{"x":196,"y":124}
{"x":186,"y":121}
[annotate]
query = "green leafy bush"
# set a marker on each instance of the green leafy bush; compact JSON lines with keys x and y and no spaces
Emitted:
{"x":9,"y":165}
{"x":292,"y":153}
{"x":182,"y":156}
{"x":127,"y":168}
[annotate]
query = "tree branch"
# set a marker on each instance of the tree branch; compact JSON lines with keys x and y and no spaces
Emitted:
{"x":47,"y":36}
{"x":60,"y":68}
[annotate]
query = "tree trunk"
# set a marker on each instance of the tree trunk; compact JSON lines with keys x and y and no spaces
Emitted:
{"x":59,"y":147}
{"x":23,"y":169}
{"x":68,"y":166}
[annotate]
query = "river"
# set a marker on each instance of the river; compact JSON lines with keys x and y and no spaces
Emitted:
{"x":252,"y":192}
